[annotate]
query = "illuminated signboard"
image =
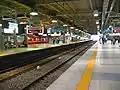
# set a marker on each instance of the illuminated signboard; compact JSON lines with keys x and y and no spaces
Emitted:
{"x":11,"y":28}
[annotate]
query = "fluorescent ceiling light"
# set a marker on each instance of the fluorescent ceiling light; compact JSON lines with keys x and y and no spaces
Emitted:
{"x":49,"y":28}
{"x":27,"y":26}
{"x":110,"y":26}
{"x":98,"y":26}
{"x":6,"y":18}
{"x":96,"y":15}
{"x":76,"y":29}
{"x":97,"y":22}
{"x":98,"y":29}
{"x":71,"y":27}
{"x":65,"y":25}
{"x":0,"y":25}
{"x":54,"y":21}
{"x":23,"y":22}
{"x":33,"y":13}
{"x":68,"y":33}
{"x":71,"y":20}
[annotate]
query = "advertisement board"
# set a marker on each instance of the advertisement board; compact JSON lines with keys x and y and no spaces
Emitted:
{"x":11,"y":27}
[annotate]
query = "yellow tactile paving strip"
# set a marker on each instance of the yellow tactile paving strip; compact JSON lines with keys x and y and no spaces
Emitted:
{"x":86,"y":79}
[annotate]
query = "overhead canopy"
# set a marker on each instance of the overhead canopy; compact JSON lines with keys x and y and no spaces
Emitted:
{"x":78,"y":13}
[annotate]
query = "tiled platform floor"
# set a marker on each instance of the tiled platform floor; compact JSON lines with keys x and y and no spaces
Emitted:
{"x":105,"y":74}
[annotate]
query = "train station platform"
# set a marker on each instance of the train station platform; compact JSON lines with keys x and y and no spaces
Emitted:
{"x":97,"y":69}
{"x":32,"y":48}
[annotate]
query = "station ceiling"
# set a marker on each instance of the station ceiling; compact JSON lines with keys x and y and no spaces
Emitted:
{"x":75,"y":12}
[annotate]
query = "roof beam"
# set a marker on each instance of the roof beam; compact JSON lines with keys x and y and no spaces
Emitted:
{"x":81,"y":11}
{"x":91,"y":6}
{"x":57,"y":10}
{"x":111,"y":7}
{"x":58,"y":1}
{"x":82,"y":14}
{"x":104,"y":12}
{"x":73,"y":9}
{"x":63,"y":8}
{"x":54,"y":8}
{"x":13,"y":5}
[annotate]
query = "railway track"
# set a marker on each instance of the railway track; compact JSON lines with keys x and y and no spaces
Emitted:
{"x":31,"y":77}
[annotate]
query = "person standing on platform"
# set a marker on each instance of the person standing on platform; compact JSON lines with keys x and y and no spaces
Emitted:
{"x":58,"y":40}
{"x":114,"y":40}
{"x":111,"y":39}
{"x":61,"y":39}
{"x":53,"y":40}
{"x":103,"y":40}
{"x":100,"y":40}
{"x":119,"y":40}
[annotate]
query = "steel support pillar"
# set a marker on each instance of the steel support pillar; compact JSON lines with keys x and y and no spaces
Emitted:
{"x":1,"y":37}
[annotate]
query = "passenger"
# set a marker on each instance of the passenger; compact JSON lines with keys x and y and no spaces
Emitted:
{"x":103,"y":40}
{"x":100,"y":40}
{"x":119,"y":39}
{"x":53,"y":40}
{"x":58,"y":40}
{"x":114,"y":40}
{"x":61,"y":39}
{"x":111,"y":40}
